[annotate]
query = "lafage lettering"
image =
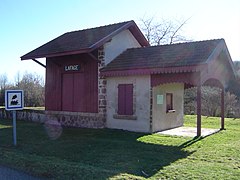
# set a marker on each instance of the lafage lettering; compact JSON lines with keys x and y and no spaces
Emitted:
{"x":72,"y":68}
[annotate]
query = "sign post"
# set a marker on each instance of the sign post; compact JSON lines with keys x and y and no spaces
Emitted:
{"x":14,"y":101}
{"x":14,"y":127}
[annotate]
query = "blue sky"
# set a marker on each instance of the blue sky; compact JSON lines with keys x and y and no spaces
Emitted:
{"x":27,"y":24}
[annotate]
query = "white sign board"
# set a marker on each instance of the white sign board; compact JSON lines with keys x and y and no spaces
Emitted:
{"x":14,"y":100}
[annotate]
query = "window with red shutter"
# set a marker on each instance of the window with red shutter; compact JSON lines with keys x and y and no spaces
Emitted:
{"x":125,"y":99}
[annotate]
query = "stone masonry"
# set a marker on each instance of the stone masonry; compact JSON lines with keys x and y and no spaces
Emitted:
{"x":151,"y":106}
{"x":68,"y":119}
{"x":76,"y":119}
{"x":26,"y":114}
{"x":102,"y":82}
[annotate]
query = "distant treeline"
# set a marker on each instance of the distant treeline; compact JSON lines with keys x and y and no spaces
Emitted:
{"x":211,"y":98}
{"x":31,"y":83}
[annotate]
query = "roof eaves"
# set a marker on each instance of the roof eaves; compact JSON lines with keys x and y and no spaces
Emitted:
{"x":26,"y":57}
{"x":229,"y":59}
{"x":145,"y":71}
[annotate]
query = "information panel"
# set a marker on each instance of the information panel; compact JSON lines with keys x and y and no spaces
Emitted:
{"x":159,"y":99}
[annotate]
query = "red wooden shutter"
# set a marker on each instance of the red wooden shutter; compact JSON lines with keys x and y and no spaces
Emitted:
{"x":121,"y":99}
{"x":129,"y":99}
{"x":125,"y":99}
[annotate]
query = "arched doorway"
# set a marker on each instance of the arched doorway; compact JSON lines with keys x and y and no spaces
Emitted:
{"x":212,"y":82}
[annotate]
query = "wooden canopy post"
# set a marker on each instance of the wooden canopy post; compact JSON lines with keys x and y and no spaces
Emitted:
{"x":199,"y":109}
{"x":222,"y":109}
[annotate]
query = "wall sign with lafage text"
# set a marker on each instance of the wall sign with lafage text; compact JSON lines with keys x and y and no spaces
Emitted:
{"x":75,"y":67}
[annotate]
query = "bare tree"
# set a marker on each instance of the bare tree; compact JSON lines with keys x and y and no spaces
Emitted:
{"x":17,"y":78}
{"x":3,"y":81}
{"x":231,"y":105}
{"x":4,"y":84}
{"x":164,"y":32}
{"x":33,"y":86}
{"x":211,"y":101}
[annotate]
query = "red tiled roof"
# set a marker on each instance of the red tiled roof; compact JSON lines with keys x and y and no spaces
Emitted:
{"x":84,"y":40}
{"x":164,"y":56}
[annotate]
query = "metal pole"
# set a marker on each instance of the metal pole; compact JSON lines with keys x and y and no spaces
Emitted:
{"x":222,"y":109}
{"x":14,"y":128}
{"x":199,"y":110}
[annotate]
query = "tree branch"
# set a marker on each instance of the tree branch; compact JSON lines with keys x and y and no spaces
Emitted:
{"x":176,"y":31}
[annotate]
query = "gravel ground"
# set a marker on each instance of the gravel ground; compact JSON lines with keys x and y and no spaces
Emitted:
{"x":11,"y":174}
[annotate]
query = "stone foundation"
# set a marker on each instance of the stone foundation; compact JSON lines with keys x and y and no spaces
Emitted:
{"x":68,"y":119}
{"x":77,"y":119}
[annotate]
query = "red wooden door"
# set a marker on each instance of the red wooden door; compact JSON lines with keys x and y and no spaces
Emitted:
{"x":79,"y":98}
{"x":67,"y":92}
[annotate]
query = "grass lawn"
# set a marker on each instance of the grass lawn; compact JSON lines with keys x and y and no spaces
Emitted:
{"x":115,"y":154}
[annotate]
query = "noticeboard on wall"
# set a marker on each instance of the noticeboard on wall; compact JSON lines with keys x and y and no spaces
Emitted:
{"x":14,"y":100}
{"x":159,"y":99}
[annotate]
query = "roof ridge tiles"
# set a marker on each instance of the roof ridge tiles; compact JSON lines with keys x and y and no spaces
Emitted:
{"x":167,"y":45}
{"x":180,"y":43}
{"x":103,"y":26}
{"x":188,"y":42}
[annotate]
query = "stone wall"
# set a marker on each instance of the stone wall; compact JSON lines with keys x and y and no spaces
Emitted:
{"x":68,"y":119}
{"x":26,"y":114}
{"x":76,"y":119}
